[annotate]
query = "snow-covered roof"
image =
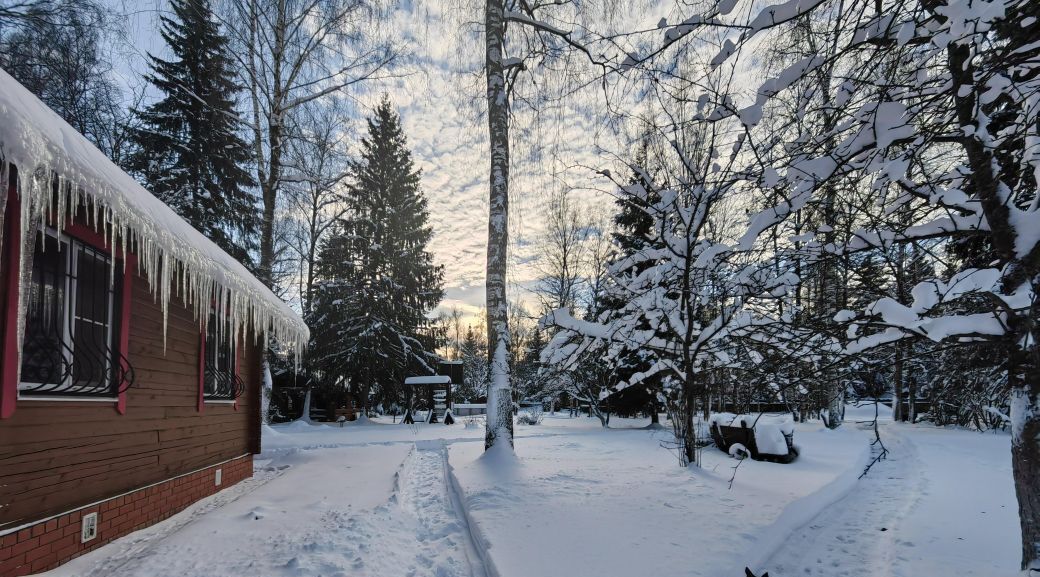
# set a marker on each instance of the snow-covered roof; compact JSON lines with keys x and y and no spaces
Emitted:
{"x":428,"y":380}
{"x":40,"y":144}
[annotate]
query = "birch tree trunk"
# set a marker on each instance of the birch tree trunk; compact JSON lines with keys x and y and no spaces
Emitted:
{"x":499,"y":410}
{"x":269,"y":188}
{"x":265,"y":393}
{"x":1025,"y":458}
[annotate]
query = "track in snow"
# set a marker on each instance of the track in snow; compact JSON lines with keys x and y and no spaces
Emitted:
{"x":416,"y":533}
{"x":445,"y":544}
{"x":856,"y":537}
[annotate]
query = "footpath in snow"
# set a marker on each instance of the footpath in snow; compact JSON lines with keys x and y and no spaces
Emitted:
{"x":361,"y":511}
{"x":942,"y":503}
{"x":392,"y":500}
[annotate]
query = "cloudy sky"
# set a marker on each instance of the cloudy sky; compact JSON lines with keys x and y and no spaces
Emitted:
{"x":439,"y":93}
{"x":440,"y":99}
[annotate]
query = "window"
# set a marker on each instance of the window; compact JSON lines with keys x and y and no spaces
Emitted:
{"x":70,"y":344}
{"x":220,"y":376}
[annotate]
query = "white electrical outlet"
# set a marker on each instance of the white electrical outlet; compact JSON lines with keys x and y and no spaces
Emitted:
{"x":216,"y":478}
{"x":88,"y":527}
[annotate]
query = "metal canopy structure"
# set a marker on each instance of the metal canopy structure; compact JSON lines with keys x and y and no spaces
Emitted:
{"x":436,"y":390}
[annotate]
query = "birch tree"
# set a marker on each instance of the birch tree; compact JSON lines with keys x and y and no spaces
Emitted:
{"x":290,"y":53}
{"x":317,"y":166}
{"x":519,"y":35}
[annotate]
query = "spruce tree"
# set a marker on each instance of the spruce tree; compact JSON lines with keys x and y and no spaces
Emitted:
{"x":376,"y":278}
{"x":187,"y":150}
{"x":634,"y":232}
{"x":475,"y":368}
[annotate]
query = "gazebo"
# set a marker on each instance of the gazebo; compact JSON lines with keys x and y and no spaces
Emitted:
{"x":437,"y":389}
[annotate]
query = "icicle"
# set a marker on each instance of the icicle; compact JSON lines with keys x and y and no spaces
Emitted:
{"x":48,"y":152}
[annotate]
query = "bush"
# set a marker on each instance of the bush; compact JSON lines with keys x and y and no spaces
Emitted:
{"x":533,"y":417}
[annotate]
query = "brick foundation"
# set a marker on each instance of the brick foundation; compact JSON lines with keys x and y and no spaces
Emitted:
{"x":51,"y":542}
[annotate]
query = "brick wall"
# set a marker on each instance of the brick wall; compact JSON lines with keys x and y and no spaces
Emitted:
{"x":50,"y":543}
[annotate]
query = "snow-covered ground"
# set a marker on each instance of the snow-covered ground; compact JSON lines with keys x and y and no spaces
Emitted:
{"x":942,"y":503}
{"x":381,"y":499}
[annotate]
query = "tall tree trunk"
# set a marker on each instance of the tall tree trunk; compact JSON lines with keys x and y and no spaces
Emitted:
{"x":911,"y":399}
{"x":269,"y":187}
{"x":1025,"y":451}
{"x":270,"y":198}
{"x":500,"y":414}
{"x":689,"y":436}
{"x":897,"y":385}
{"x":1025,"y":462}
{"x":306,"y":416}
{"x":835,"y":406}
{"x":267,"y":390}
{"x":1024,"y":370}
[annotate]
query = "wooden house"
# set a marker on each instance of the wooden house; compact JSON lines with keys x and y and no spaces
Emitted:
{"x":130,"y":368}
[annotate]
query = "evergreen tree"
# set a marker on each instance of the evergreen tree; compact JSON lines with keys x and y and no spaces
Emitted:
{"x":475,"y":368}
{"x":188,"y":152}
{"x":528,"y":383}
{"x":376,"y":278}
{"x":634,"y":233}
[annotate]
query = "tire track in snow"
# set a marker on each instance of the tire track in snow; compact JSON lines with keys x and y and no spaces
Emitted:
{"x":856,"y":537}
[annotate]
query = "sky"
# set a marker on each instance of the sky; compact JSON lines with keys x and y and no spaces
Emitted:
{"x":438,"y":94}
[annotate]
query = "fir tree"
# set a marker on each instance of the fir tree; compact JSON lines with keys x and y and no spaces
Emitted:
{"x":475,"y":368}
{"x":634,"y":233}
{"x":188,"y":152}
{"x":376,"y":278}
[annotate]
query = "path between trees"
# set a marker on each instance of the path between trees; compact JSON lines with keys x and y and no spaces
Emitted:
{"x":858,"y":535}
{"x":942,"y":503}
{"x":391,"y":509}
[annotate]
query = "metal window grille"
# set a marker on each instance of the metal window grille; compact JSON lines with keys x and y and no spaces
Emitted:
{"x":221,"y":380}
{"x":69,"y":347}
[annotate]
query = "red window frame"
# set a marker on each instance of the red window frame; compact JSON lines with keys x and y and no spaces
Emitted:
{"x":11,"y":258}
{"x":202,"y":374}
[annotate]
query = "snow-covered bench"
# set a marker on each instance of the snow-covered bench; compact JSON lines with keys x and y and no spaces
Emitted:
{"x":763,"y":437}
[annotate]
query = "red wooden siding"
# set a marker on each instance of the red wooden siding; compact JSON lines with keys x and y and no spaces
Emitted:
{"x":56,"y":456}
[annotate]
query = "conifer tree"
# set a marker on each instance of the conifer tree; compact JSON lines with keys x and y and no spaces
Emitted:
{"x":475,"y":368}
{"x":634,"y":233}
{"x":187,"y":150}
{"x":376,"y":278}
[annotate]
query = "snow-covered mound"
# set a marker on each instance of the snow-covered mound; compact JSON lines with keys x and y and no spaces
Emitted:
{"x":769,"y":429}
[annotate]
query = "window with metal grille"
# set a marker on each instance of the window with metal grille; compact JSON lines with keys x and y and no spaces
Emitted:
{"x":221,"y":380}
{"x":70,"y":342}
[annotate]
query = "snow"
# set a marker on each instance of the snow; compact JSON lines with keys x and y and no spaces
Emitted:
{"x":39,"y":143}
{"x":578,"y":499}
{"x":942,"y":503}
{"x":587,"y":487}
{"x":769,"y":429}
{"x":428,"y":380}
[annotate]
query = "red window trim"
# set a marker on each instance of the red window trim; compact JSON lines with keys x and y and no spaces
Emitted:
{"x":11,"y":232}
{"x":202,"y":372}
{"x":12,"y":252}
